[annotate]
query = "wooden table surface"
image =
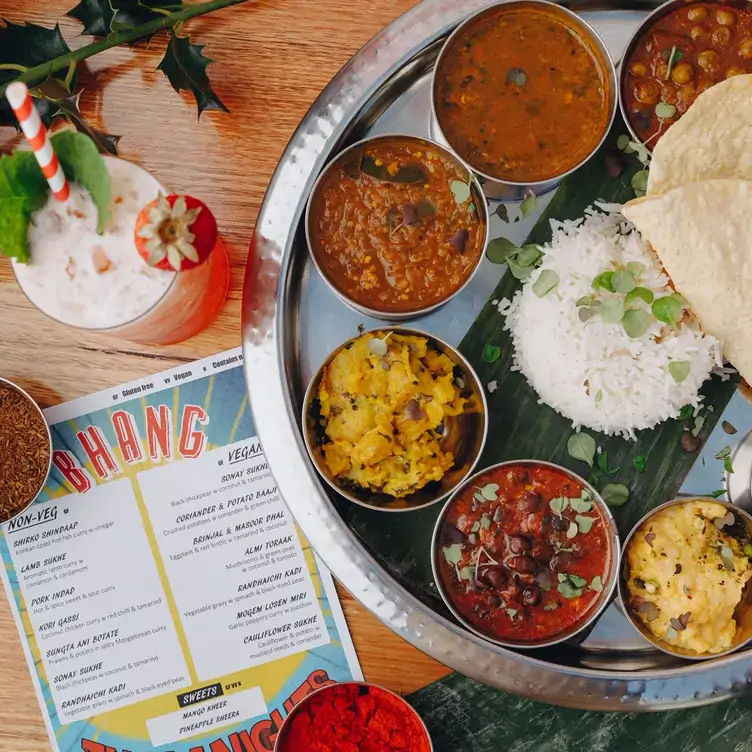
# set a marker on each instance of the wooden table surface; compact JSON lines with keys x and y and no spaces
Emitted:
{"x":273,"y":57}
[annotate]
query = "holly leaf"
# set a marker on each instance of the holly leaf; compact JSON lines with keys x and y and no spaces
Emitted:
{"x":185,"y":68}
{"x":95,"y":15}
{"x":103,"y":17}
{"x":68,"y":106}
{"x":28,"y":45}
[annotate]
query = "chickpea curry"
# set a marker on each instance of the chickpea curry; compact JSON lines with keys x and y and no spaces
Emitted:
{"x":524,"y":553}
{"x":681,"y":55}
{"x":521,"y":95}
{"x":394,"y":225}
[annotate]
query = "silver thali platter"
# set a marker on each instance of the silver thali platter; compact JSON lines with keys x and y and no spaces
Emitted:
{"x":291,"y":321}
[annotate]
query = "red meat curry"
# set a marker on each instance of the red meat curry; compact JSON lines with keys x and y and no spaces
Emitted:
{"x":524,"y":553}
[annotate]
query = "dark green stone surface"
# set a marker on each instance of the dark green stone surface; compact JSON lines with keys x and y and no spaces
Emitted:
{"x":464,"y":716}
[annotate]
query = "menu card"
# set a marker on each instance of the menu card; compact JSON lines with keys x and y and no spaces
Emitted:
{"x":164,"y":596}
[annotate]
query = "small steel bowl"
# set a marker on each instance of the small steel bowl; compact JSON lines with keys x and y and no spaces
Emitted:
{"x":743,"y":615}
{"x":464,"y":435}
{"x":507,"y":190}
{"x":479,"y":200}
{"x":32,"y":402}
{"x":609,"y":584}
{"x":662,"y":10}
{"x":426,"y":745}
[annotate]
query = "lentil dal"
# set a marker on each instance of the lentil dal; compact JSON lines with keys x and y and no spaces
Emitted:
{"x":521,"y":96}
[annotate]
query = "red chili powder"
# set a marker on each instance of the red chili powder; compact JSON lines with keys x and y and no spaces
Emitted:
{"x":354,"y":718}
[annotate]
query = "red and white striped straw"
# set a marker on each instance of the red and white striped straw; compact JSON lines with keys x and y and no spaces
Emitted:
{"x":31,"y":124}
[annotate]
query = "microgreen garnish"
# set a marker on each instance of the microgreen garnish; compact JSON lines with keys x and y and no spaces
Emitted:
{"x":622,"y":143}
{"x":623,"y":282}
{"x":453,"y":554}
{"x":378,"y":346}
{"x":516,"y":76}
{"x":686,"y":413}
{"x":601,"y":469}
{"x":596,"y":584}
{"x":728,"y":428}
{"x":552,"y":606}
{"x":528,"y":204}
{"x":669,"y":309}
{"x":559,"y":504}
{"x":720,"y":522}
{"x":725,"y":452}
{"x":636,"y":323}
{"x":640,"y":462}
{"x":475,"y":527}
{"x":674,"y":55}
{"x":511,"y":613}
{"x":671,"y":634}
{"x":581,"y":446}
{"x":490,"y":354}
{"x":460,"y":190}
{"x":727,"y":556}
{"x":664,"y":110}
{"x":570,"y":585}
{"x":459,"y":240}
{"x":467,"y":573}
{"x":489,"y":491}
{"x":521,"y":261}
{"x":639,"y":182}
{"x":643,"y":293}
{"x":727,"y":466}
{"x":582,"y":504}
{"x":485,"y":522}
{"x":377,"y":168}
{"x":612,"y":310}
{"x":547,"y":280}
{"x":584,"y":524}
{"x":502,"y":213}
{"x":615,"y":494}
{"x":699,"y":423}
{"x":598,"y":396}
{"x":635,"y":268}
{"x":572,"y":530}
{"x":634,"y":147}
{"x":647,"y":608}
{"x":603,"y":280}
{"x":679,"y":370}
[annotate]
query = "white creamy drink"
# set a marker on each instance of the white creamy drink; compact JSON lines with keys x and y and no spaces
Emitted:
{"x":89,"y":280}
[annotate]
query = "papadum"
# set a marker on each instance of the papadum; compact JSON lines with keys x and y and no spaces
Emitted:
{"x":702,"y":233}
{"x":712,"y":140}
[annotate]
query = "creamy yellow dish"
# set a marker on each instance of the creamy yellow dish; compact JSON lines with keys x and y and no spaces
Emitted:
{"x":383,"y":402}
{"x":686,"y":576}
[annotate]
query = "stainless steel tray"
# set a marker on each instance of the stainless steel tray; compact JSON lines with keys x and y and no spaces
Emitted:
{"x":291,"y":321}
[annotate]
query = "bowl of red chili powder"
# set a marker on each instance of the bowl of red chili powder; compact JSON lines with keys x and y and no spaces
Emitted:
{"x":353,"y":717}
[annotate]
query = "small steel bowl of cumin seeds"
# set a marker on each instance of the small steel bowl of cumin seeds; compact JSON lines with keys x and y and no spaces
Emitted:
{"x":25,"y":450}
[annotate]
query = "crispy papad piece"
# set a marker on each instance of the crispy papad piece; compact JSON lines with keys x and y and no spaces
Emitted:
{"x":702,"y":233}
{"x":712,"y":140}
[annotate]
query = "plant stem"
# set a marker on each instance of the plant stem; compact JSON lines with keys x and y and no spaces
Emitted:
{"x":40,"y":72}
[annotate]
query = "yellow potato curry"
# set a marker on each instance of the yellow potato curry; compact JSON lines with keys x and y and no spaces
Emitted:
{"x":687,"y":575}
{"x":384,"y":398}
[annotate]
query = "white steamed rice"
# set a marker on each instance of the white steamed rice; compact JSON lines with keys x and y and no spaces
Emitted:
{"x":569,"y":362}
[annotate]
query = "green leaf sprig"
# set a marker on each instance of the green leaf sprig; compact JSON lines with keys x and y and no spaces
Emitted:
{"x":520,"y":260}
